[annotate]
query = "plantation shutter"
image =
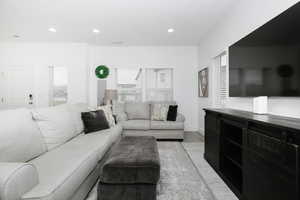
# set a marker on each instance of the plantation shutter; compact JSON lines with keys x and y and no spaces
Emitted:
{"x":223,"y":80}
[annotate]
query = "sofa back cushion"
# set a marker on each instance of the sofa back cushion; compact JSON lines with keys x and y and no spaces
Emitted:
{"x":20,"y":138}
{"x":118,"y":108}
{"x":57,"y":124}
{"x":76,"y":110}
{"x":137,"y":110}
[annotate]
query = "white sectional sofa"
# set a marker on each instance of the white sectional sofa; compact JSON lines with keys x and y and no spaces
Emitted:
{"x":44,"y":154}
{"x":135,"y":118}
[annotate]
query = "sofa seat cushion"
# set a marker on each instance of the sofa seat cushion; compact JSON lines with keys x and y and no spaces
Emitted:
{"x":166,"y":125}
{"x":136,"y":124}
{"x":62,"y":170}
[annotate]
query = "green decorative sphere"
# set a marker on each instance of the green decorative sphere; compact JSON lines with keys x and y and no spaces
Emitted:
{"x":102,"y":71}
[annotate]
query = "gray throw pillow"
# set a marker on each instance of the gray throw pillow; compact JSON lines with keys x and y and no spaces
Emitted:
{"x":94,"y":121}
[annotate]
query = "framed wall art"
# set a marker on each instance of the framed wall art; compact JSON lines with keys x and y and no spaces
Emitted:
{"x":203,"y":83}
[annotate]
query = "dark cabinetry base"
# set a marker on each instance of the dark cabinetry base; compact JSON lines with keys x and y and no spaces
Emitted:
{"x":257,"y":156}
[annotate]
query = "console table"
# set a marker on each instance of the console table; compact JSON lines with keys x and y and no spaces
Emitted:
{"x":257,"y":156}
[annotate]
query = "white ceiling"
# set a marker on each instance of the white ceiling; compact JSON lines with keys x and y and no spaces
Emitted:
{"x":133,"y":22}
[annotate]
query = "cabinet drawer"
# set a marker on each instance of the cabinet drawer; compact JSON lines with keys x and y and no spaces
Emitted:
{"x":265,"y":181}
{"x":274,"y":150}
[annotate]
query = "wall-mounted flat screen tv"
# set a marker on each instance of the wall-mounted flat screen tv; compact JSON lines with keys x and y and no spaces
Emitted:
{"x":267,"y":61}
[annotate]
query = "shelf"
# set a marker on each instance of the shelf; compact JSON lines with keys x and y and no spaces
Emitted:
{"x":231,"y":155}
{"x":254,"y":159}
{"x":234,"y":142}
{"x":233,"y":151}
{"x":233,"y":173}
{"x":235,"y":180}
{"x":235,"y":160}
{"x":233,"y":133}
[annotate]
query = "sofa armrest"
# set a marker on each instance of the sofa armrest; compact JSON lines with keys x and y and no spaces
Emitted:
{"x":16,"y":179}
{"x":180,"y":117}
{"x":121,"y":117}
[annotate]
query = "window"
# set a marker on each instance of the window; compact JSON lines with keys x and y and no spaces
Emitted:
{"x":142,"y":84}
{"x":223,"y":79}
{"x":58,"y":86}
{"x":129,"y":84}
{"x":221,"y":69}
{"x":159,"y":84}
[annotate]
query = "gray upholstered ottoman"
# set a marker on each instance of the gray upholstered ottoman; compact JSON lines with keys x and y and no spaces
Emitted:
{"x":131,"y":171}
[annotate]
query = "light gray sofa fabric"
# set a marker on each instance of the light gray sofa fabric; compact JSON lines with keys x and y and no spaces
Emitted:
{"x":16,"y":179}
{"x":56,"y":124}
{"x":84,"y":189}
{"x":180,"y":118}
{"x":158,"y":134}
{"x":90,"y":181}
{"x":62,"y":170}
{"x":160,"y":102}
{"x":166,"y":125}
{"x":137,"y":110}
{"x":20,"y":137}
{"x":118,"y":107}
{"x":136,"y":124}
{"x":28,"y":171}
{"x":158,"y":129}
{"x":121,"y":117}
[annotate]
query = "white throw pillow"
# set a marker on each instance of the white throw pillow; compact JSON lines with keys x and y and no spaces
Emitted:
{"x":159,"y":112}
{"x":107,"y":109}
{"x":57,"y":124}
{"x":20,"y":137}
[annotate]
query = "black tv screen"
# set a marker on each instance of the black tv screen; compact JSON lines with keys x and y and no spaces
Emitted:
{"x":267,"y":61}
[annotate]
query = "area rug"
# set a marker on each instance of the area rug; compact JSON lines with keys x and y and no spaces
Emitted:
{"x":179,"y":177}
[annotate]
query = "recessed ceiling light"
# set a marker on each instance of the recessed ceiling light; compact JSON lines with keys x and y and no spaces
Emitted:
{"x":53,"y":30}
{"x":96,"y":31}
{"x":171,"y":30}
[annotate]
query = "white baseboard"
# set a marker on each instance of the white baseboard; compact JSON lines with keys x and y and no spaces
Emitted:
{"x":202,"y":132}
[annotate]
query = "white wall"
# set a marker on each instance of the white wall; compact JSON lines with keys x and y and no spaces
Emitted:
{"x":241,"y":20}
{"x":182,"y":59}
{"x":81,"y":60}
{"x":40,"y":57}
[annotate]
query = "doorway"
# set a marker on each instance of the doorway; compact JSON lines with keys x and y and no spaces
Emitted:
{"x":17,"y":87}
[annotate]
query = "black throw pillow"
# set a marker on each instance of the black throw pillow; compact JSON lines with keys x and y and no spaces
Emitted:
{"x":94,"y":121}
{"x":172,"y":113}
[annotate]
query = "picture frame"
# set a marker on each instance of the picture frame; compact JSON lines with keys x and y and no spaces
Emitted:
{"x":203,"y":81}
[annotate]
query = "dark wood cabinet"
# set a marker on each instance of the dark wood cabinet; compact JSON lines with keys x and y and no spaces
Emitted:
{"x":256,"y":155}
{"x":212,"y":140}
